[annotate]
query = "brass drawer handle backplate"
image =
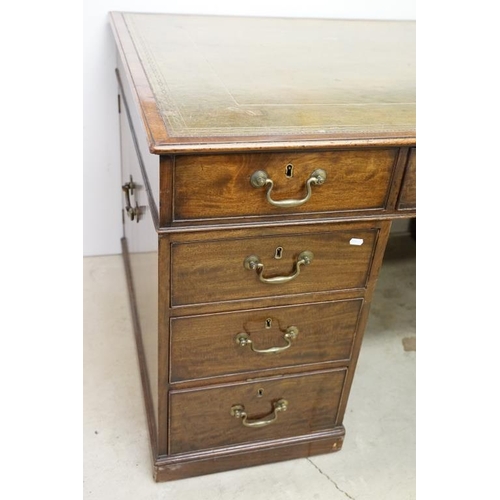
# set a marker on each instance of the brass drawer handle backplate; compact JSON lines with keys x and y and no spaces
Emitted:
{"x":238,"y":411}
{"x":243,"y":339}
{"x":252,"y":262}
{"x":260,"y":179}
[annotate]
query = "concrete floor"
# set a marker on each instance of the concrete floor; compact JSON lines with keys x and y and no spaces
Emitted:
{"x":378,"y":457}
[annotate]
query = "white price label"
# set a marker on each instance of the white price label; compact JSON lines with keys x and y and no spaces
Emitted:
{"x":356,"y":241}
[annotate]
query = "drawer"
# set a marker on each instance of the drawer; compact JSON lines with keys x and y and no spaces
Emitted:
{"x":207,"y":418}
{"x":408,"y":195}
{"x":221,"y":270}
{"x":229,"y":343}
{"x":219,"y":186}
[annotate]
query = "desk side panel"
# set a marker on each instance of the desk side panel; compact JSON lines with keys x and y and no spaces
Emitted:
{"x":141,"y":258}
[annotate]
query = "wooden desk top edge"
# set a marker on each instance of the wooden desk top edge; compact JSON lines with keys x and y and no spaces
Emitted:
{"x":161,"y":143}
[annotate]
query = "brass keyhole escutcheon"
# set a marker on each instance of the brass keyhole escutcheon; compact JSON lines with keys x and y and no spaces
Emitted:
{"x":278,"y":253}
{"x":289,"y":170}
{"x":260,"y":393}
{"x":269,"y":323}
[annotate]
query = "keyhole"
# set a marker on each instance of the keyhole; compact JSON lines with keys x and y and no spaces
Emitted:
{"x":260,"y":393}
{"x":269,"y":322}
{"x":289,"y":170}
{"x":278,"y":253}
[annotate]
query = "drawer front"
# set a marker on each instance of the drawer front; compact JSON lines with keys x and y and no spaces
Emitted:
{"x":219,"y":344}
{"x":408,"y":196}
{"x":201,"y":418}
{"x":219,"y":186}
{"x":217,"y":271}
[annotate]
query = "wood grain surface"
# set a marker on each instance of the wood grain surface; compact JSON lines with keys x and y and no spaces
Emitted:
{"x":218,"y":186}
{"x":201,"y":418}
{"x":408,"y":196}
{"x":205,"y":346}
{"x":213,"y":271}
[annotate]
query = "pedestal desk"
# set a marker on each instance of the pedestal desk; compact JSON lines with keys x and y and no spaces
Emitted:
{"x":263,"y":161}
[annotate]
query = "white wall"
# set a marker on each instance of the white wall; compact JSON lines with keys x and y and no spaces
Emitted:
{"x":101,"y":175}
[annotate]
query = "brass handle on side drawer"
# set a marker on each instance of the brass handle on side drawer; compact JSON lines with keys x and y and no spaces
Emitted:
{"x":243,"y":339}
{"x":253,"y":262}
{"x":260,"y":179}
{"x":128,"y":189}
{"x":238,"y":411}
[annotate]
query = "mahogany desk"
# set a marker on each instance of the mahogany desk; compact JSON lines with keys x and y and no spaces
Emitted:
{"x":263,"y":161}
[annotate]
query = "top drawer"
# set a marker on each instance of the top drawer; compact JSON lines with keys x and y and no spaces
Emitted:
{"x":220,"y":186}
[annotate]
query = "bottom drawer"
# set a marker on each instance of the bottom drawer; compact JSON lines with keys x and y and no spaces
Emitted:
{"x":213,"y":417}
